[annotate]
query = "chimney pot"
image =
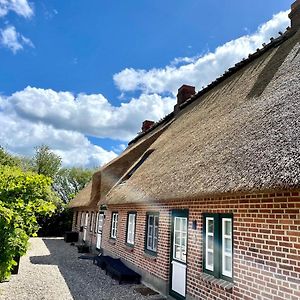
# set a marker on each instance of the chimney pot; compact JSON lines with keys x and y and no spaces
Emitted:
{"x":147,"y":125}
{"x":294,"y":15}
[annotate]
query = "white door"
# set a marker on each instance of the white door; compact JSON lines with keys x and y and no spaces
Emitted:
{"x":99,"y":230}
{"x":179,"y":253}
{"x":86,"y":222}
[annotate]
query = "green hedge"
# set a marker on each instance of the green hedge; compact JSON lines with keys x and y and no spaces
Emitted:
{"x":24,"y":196}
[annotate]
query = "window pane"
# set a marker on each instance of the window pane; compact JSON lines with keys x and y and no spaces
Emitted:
{"x":177,"y":224}
{"x":228,"y":264}
{"x":227,"y":245}
{"x":177,"y":252}
{"x":183,"y":254}
{"x":210,"y":225}
{"x":156,"y":221}
{"x":210,"y":242}
{"x":177,"y":238}
{"x":150,"y":220}
{"x":150,"y":230}
{"x":184,"y":224}
{"x":209,"y":260}
{"x":228,"y":227}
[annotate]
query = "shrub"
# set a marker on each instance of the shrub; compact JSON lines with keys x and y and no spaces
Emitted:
{"x":23,"y":197}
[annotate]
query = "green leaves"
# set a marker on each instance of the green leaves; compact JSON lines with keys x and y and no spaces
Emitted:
{"x":24,"y":196}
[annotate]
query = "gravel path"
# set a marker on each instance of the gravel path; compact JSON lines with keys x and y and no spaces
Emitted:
{"x":51,"y":270}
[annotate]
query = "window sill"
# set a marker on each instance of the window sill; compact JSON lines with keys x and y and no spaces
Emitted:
{"x":217,"y":282}
{"x":112,"y":241}
{"x":128,"y":248}
{"x":149,"y":256}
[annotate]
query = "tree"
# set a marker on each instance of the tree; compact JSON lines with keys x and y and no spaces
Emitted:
{"x":69,"y":181}
{"x":23,"y":197}
{"x":46,"y":162}
{"x":7,"y":159}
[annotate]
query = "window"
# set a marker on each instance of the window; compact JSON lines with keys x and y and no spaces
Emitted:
{"x":96,"y":223}
{"x":114,"y":225}
{"x":152,"y":232}
{"x":180,"y":237}
{"x":92,"y":221}
{"x":130,"y":228}
{"x":218,"y":245}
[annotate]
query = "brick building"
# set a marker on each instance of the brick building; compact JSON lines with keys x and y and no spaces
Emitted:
{"x":205,"y":204}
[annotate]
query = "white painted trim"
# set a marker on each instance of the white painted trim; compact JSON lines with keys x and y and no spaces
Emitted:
{"x":224,"y":252}
{"x":207,"y":250}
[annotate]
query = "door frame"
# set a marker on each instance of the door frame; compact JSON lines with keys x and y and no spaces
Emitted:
{"x":185,"y":214}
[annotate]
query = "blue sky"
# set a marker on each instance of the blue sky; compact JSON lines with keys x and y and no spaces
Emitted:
{"x":81,"y":76}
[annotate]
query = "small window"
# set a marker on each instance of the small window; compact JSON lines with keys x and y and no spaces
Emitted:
{"x":130,"y":228}
{"x":92,"y":221}
{"x":218,"y":245}
{"x":114,"y":225}
{"x":152,"y":232}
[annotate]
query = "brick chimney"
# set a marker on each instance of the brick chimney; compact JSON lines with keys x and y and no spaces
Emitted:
{"x":295,"y":15}
{"x":184,"y":93}
{"x":147,"y":125}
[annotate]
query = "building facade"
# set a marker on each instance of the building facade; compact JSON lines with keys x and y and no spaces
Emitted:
{"x":205,"y":204}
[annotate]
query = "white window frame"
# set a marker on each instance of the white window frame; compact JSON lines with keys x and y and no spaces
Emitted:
{"x":92,"y":221}
{"x":114,"y":225}
{"x":154,"y":235}
{"x":96,"y":224}
{"x":224,"y":252}
{"x":207,"y":250}
{"x":218,"y":268}
{"x":182,"y":252}
{"x":131,"y":219}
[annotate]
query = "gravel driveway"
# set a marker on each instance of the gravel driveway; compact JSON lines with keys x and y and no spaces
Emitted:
{"x":51,"y":270}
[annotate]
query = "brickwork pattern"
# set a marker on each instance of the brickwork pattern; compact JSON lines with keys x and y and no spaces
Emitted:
{"x":266,"y":244}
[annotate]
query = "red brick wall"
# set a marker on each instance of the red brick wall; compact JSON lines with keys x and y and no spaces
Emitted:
{"x":91,"y":235}
{"x":266,"y":244}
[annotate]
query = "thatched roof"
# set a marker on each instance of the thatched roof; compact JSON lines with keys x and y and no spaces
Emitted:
{"x":82,"y":199}
{"x":110,"y":174}
{"x":240,"y":134}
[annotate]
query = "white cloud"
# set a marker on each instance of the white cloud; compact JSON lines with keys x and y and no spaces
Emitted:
{"x":204,"y":69}
{"x":13,"y":40}
{"x":89,"y":114}
{"x":20,"y":7}
{"x":62,"y":120}
{"x":21,"y":136}
{"x":34,"y":116}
